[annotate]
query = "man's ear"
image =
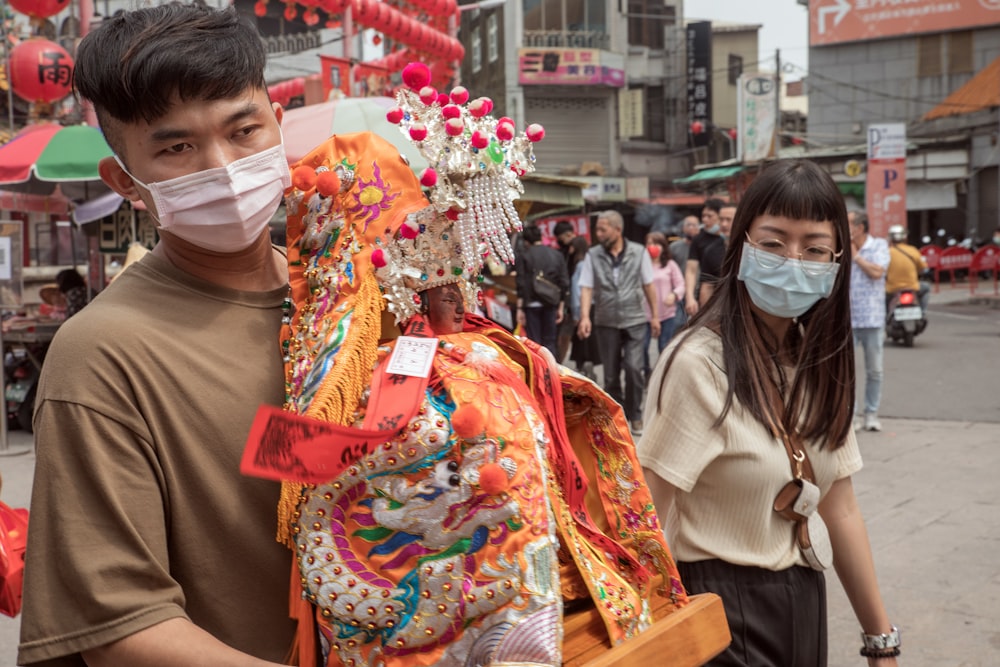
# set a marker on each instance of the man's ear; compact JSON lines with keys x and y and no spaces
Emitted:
{"x":115,"y":178}
{"x":279,"y":111}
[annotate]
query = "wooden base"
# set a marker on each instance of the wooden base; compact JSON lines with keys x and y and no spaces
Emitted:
{"x":685,"y":637}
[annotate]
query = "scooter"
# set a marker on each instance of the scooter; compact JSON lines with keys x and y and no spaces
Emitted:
{"x":904,"y":318}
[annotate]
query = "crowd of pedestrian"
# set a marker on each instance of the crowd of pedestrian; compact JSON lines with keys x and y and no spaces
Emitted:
{"x":147,"y":546}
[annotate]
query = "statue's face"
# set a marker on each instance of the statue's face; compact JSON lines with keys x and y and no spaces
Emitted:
{"x":445,"y":309}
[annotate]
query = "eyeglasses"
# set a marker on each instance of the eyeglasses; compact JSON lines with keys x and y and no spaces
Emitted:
{"x":817,"y":260}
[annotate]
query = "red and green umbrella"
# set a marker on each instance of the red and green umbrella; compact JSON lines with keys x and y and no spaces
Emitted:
{"x":43,"y":155}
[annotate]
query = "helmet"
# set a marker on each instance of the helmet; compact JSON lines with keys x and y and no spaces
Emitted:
{"x":897,"y":233}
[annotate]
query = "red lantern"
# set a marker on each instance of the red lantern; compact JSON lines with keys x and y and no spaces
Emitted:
{"x":40,"y":70}
{"x":697,"y":127}
{"x":39,"y":9}
{"x":733,"y":133}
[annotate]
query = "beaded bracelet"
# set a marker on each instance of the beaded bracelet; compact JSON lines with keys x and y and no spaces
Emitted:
{"x":879,"y":652}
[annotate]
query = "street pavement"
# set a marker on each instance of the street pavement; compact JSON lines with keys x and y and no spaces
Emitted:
{"x":928,"y":493}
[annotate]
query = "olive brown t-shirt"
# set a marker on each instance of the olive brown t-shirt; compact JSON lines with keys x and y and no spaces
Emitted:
{"x":139,"y":513}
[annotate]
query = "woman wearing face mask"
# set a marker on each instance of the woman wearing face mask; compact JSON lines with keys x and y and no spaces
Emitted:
{"x":751,"y":409}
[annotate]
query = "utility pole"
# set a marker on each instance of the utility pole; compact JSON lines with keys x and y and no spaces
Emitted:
{"x":777,"y":102}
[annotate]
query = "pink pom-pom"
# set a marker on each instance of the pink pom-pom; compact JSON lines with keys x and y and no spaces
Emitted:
{"x":416,"y":76}
{"x":378,"y":258}
{"x":429,"y":178}
{"x":408,"y":231}
{"x":418,"y":132}
{"x":480,"y":140}
{"x":489,"y":104}
{"x":535,"y":132}
{"x":459,"y":95}
{"x":505,"y":132}
{"x":394,"y":115}
{"x":478,"y":107}
{"x":428,"y":95}
{"x":451,"y":111}
{"x":442,"y":99}
{"x":505,"y":120}
{"x":454,"y":127}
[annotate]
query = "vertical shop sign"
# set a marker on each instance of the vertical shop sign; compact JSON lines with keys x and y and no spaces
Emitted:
{"x":885,"y":188}
{"x":699,"y":80}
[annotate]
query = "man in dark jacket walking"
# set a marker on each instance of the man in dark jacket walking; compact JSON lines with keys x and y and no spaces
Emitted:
{"x":616,"y":275}
{"x":542,"y":287}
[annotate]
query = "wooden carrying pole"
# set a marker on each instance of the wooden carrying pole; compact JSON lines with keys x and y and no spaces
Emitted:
{"x":685,"y":637}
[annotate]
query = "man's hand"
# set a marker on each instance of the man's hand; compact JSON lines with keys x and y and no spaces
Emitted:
{"x":583,"y":328}
{"x":654,"y":328}
{"x":560,"y":315}
{"x":691,"y":306}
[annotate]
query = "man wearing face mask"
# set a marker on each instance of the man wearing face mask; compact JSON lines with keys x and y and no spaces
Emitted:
{"x":166,"y":554}
{"x":704,"y":263}
{"x":616,"y":275}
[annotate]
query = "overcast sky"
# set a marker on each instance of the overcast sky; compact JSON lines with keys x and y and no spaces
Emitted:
{"x":786,"y":27}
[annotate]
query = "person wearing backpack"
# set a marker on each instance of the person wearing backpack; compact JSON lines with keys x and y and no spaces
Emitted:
{"x":542,"y":286}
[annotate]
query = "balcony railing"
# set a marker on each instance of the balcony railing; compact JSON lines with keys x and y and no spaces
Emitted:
{"x":567,"y":39}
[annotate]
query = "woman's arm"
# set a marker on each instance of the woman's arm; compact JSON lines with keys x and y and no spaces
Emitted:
{"x":852,"y":559}
{"x":676,"y":279}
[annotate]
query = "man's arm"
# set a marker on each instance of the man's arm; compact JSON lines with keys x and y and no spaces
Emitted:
{"x":654,"y":322}
{"x":173,"y":643}
{"x":691,"y":272}
{"x":583,"y":328}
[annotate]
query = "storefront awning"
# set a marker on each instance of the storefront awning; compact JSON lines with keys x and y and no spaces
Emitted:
{"x":97,"y":208}
{"x":713,"y":173}
{"x":552,"y":191}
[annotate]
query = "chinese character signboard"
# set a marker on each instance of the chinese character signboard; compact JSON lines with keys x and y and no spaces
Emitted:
{"x":838,"y":21}
{"x":885,"y":188}
{"x":570,"y":67}
{"x":118,"y":231}
{"x":699,"y":79}
{"x":755,"y":119}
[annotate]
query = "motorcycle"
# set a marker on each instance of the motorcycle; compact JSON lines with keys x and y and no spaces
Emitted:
{"x":905,"y":319}
{"x":22,"y":368}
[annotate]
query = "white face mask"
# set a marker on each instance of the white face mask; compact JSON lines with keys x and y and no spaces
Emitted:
{"x":787,"y":290}
{"x":224,"y":209}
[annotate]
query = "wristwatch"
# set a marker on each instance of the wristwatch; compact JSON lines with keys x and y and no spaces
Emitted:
{"x":882,"y":641}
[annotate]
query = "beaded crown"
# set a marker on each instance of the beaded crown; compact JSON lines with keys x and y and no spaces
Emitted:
{"x":476,"y":164}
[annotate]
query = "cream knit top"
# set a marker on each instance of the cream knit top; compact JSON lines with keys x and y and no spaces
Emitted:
{"x":726,"y":478}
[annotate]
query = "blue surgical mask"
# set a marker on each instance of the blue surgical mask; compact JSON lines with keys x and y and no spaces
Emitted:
{"x":788,"y":290}
{"x":713,"y":230}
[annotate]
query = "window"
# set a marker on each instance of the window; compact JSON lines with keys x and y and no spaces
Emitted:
{"x":655,"y":125}
{"x":735,"y":69}
{"x":960,"y":52}
{"x":647,"y":20}
{"x":477,"y":50}
{"x":492,"y":50}
{"x":929,"y":55}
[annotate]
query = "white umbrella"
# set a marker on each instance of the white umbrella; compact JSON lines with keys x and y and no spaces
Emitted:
{"x":306,"y":127}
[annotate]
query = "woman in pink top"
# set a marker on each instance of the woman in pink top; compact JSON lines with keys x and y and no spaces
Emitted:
{"x":668,"y":280}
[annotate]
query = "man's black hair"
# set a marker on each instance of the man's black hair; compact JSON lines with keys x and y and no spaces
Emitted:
{"x":714,"y":204}
{"x":135,"y":63}
{"x":562,"y":228}
{"x":531,"y":234}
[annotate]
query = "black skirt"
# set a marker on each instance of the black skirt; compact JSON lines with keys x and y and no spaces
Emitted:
{"x":777,"y":619}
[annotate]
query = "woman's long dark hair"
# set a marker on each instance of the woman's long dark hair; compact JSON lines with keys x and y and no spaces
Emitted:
{"x":818,"y":404}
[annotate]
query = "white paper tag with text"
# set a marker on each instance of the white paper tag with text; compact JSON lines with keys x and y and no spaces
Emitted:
{"x":412,"y":356}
